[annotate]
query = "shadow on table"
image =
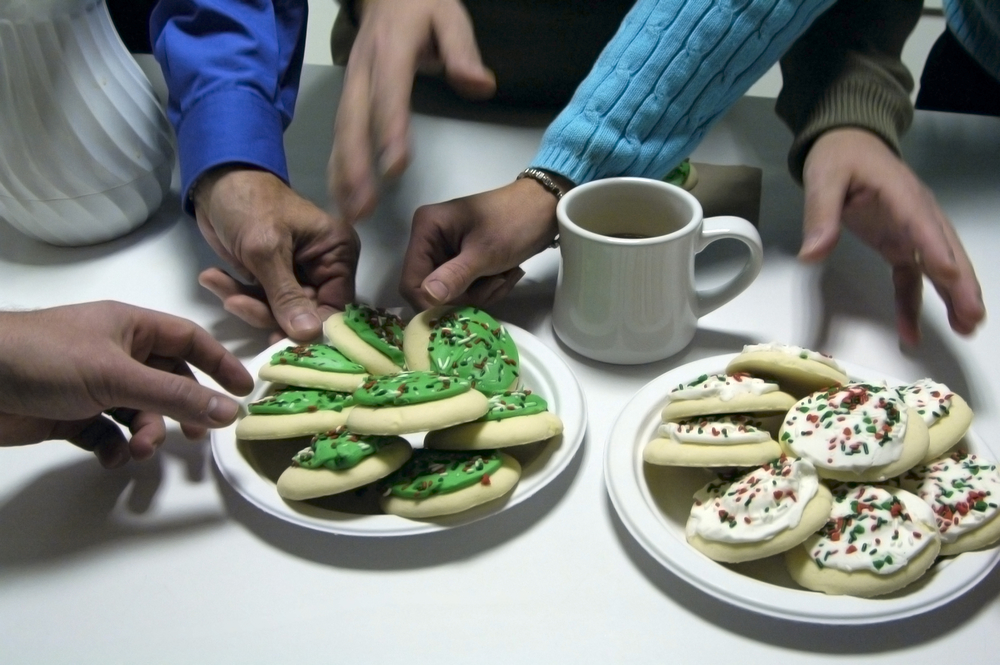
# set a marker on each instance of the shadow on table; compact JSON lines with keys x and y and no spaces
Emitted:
{"x":404,"y":552}
{"x":875,"y":638}
{"x":82,"y":506}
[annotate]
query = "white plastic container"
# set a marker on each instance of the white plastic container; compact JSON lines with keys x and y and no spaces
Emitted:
{"x":86,"y":152}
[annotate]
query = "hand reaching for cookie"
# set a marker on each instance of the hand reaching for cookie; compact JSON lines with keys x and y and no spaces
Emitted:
{"x":467,"y":251}
{"x":852,"y":178}
{"x":63,"y":369}
{"x":303,"y":259}
{"x":396,"y":39}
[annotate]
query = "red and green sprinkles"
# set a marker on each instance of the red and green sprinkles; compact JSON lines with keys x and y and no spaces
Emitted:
{"x":320,"y":357}
{"x":514,"y":403}
{"x":413,"y":387}
{"x":932,"y":400}
{"x":339,"y":450}
{"x":292,"y":401}
{"x":870,"y":528}
{"x":432,"y":472}
{"x":469,"y":343}
{"x":379,"y":328}
{"x":962,"y":490}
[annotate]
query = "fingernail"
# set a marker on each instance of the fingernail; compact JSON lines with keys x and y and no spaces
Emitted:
{"x":221,"y":411}
{"x":809,"y":243}
{"x":305,"y":323}
{"x":437,"y":290}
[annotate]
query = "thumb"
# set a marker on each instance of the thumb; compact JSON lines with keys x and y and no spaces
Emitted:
{"x":453,"y":278}
{"x":459,"y":53}
{"x":824,"y":203}
{"x":292,"y":308}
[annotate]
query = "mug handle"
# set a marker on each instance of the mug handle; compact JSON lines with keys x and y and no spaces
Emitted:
{"x":737,"y":228}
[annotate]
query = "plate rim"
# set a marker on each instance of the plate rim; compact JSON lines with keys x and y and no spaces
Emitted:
{"x":624,"y":479}
{"x":260,"y":492}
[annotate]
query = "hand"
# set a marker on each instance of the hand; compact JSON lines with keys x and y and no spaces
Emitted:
{"x":61,"y":369}
{"x":396,"y":38}
{"x":302,"y":258}
{"x":467,"y":251}
{"x":852,"y":177}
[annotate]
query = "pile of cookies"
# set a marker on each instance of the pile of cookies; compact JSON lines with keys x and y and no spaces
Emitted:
{"x":859,"y":486}
{"x":449,"y":374}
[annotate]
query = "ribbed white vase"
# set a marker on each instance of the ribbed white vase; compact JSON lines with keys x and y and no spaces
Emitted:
{"x":86,"y":152}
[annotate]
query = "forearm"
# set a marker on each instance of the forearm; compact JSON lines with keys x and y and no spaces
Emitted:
{"x":846,"y":71}
{"x":671,"y":71}
{"x":232,"y":70}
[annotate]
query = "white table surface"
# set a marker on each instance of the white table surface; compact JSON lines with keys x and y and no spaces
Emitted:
{"x":162,"y":562}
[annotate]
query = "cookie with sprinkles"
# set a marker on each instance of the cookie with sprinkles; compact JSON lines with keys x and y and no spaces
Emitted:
{"x":313,"y":366}
{"x":946,"y":414}
{"x":766,"y":511}
{"x":855,"y":433}
{"x":514,"y":418}
{"x":465,"y":342}
{"x":339,"y":461}
{"x":723,"y":440}
{"x":963,"y":490}
{"x":877,"y":540}
{"x":711,"y":394}
{"x":440,"y":482}
{"x":293,"y":412}
{"x":797,"y":370}
{"x":414,"y":401}
{"x":372,"y":337}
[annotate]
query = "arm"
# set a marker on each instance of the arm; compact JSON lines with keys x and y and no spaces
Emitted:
{"x":62,"y":369}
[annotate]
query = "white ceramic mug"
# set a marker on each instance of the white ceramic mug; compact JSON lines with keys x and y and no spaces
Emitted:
{"x":626,"y":292}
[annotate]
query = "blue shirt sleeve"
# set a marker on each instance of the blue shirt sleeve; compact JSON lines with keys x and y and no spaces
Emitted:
{"x":670,"y":72}
{"x":232,"y":68}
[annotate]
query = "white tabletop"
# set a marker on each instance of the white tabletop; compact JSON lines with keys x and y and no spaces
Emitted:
{"x":163,"y":562}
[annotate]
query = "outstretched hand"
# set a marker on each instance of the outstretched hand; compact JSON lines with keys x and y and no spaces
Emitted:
{"x":64,"y":368}
{"x":467,"y":251}
{"x":396,"y":39}
{"x":852,"y":178}
{"x":299,"y":260}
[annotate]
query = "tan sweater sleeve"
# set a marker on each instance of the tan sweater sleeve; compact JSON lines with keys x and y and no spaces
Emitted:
{"x":846,"y":71}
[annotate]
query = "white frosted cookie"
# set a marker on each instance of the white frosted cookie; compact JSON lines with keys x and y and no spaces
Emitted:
{"x":439,"y":482}
{"x":413,"y":401}
{"x":465,"y":342}
{"x":764,"y":512}
{"x":294,"y":412}
{"x":963,"y":490}
{"x":369,"y":336}
{"x":946,"y":414}
{"x":514,"y":418}
{"x":877,"y":540}
{"x":797,"y":370}
{"x":721,"y":393}
{"x":339,"y":461}
{"x":725,"y":440}
{"x":855,"y":433}
{"x":313,"y":366}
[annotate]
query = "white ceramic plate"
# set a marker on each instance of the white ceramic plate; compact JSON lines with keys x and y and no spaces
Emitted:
{"x":541,"y":370}
{"x":653,"y":502}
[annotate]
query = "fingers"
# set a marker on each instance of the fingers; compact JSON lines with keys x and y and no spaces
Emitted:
{"x":824,"y":200}
{"x":908,"y":283}
{"x":350,"y":169}
{"x":246,"y":302}
{"x":463,"y":65}
{"x":290,"y":305}
{"x":105,"y":439}
{"x":487,"y":291}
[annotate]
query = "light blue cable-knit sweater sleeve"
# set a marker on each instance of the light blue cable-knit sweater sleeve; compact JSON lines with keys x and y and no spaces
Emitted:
{"x":673,"y":68}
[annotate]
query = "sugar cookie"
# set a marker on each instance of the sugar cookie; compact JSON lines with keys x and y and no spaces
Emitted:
{"x":339,"y":461}
{"x":721,"y":393}
{"x":723,"y":440}
{"x":963,"y":490}
{"x":877,"y":540}
{"x":439,"y":482}
{"x":514,"y":418}
{"x":858,"y":433}
{"x":414,"y":402}
{"x":370,"y":336}
{"x":764,"y":512}
{"x":313,"y":366}
{"x":797,"y":370}
{"x":946,"y":414}
{"x":465,"y":342}
{"x":293,"y":412}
